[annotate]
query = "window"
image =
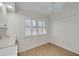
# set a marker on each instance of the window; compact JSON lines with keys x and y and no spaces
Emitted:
{"x":28,"y":22}
{"x":44,"y":27}
{"x":27,"y":31}
{"x":39,"y":27}
{"x":35,"y":27}
{"x":27,"y":27}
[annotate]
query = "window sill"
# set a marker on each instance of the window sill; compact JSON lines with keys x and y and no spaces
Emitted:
{"x":35,"y":35}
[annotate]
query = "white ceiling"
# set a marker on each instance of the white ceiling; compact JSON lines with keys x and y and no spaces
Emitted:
{"x":45,"y":8}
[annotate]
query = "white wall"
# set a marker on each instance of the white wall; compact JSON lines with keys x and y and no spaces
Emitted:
{"x":16,"y":28}
{"x":64,"y":28}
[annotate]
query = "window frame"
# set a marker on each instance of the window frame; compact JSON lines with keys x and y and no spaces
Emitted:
{"x":34,"y":27}
{"x":37,"y":28}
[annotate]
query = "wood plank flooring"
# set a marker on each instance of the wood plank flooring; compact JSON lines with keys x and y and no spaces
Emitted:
{"x":47,"y":50}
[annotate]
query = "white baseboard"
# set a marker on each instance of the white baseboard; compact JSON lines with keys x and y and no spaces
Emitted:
{"x":62,"y":46}
{"x":24,"y":49}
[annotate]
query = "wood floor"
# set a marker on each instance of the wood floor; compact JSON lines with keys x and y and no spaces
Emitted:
{"x":47,"y":50}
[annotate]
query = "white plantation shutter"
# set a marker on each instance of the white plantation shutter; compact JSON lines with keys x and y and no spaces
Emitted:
{"x":35,"y":27}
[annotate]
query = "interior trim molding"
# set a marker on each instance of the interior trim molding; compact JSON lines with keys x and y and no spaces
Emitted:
{"x":64,"y":47}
